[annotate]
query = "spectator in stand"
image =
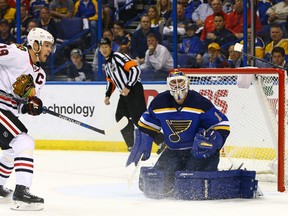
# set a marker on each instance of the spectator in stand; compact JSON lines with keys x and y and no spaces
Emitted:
{"x":191,"y":44}
{"x":79,"y":70}
{"x":5,"y":35}
{"x":258,"y":44}
{"x":201,"y":13}
{"x":12,"y":3}
{"x":220,"y":35}
{"x":60,"y":9}
{"x":276,"y":35}
{"x":6,"y":11}
{"x":31,"y":24}
{"x":190,"y":6}
{"x":235,"y":59}
{"x":216,"y":60}
{"x":35,"y":6}
{"x":153,"y":13}
{"x":108,"y":12}
{"x":165,"y":9}
{"x":24,"y":20}
{"x":48,"y":23}
{"x":234,"y":21}
{"x":209,"y":22}
{"x":121,"y":37}
{"x":107,"y":33}
{"x":158,"y":59}
{"x":278,"y":57}
{"x":88,"y":9}
{"x":169,"y":27}
{"x":139,"y":39}
{"x":278,"y":12}
{"x":262,"y":7}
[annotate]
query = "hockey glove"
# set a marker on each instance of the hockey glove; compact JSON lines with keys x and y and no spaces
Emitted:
{"x":206,"y":143}
{"x":33,"y":107}
{"x":141,"y":149}
{"x":24,"y":86}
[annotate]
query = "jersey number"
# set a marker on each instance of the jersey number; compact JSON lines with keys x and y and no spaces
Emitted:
{"x":3,"y":51}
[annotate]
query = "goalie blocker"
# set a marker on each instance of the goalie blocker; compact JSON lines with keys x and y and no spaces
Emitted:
{"x":200,"y":185}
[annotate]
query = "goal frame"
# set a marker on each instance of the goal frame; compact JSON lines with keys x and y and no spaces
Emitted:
{"x":281,"y":105}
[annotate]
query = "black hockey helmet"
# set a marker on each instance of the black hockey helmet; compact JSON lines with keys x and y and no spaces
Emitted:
{"x":103,"y":41}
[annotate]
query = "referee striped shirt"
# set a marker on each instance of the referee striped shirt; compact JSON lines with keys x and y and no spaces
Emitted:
{"x":121,"y":71}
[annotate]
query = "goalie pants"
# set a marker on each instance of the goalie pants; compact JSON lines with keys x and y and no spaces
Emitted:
{"x":132,"y":106}
{"x":171,"y":161}
{"x":17,"y":150}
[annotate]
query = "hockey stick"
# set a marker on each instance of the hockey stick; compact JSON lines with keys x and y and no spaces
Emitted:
{"x":131,"y":177}
{"x":239,"y":48}
{"x":117,"y":127}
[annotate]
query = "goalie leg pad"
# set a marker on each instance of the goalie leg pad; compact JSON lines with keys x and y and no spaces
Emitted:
{"x":151,"y":182}
{"x":142,"y":148}
{"x":215,"y":185}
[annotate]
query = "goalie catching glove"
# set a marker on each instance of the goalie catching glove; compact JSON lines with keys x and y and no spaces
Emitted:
{"x":206,"y":143}
{"x":24,"y":86}
{"x":33,"y":107}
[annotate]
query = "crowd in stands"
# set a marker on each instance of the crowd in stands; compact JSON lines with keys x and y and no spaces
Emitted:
{"x":207,"y":31}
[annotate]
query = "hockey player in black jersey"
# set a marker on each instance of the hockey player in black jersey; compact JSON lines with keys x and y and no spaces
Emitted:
{"x":194,"y":131}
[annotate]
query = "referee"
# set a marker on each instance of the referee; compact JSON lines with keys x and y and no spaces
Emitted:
{"x":124,"y":74}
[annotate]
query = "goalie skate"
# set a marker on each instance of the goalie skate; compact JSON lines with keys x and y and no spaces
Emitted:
{"x":23,"y":200}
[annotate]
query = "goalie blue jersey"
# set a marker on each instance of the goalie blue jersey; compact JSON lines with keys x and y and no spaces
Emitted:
{"x":180,"y":123}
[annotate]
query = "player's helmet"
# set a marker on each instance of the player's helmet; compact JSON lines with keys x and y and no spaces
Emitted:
{"x":40,"y":35}
{"x":103,"y":41}
{"x":178,"y":84}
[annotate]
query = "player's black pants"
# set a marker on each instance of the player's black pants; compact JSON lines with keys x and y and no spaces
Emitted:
{"x":132,"y":106}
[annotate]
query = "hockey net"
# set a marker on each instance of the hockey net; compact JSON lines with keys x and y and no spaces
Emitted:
{"x":257,"y":118}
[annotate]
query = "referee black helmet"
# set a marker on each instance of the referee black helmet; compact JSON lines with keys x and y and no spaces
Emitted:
{"x":103,"y":41}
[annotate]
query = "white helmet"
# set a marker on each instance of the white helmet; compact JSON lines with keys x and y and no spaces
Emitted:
{"x":178,"y":84}
{"x":40,"y":35}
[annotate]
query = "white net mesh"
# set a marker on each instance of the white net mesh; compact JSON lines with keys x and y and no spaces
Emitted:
{"x":253,"y":113}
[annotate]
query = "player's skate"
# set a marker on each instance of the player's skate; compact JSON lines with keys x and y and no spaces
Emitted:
{"x":5,"y":194}
{"x":25,"y":201}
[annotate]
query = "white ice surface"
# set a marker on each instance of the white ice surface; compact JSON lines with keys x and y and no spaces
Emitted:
{"x":79,"y":183}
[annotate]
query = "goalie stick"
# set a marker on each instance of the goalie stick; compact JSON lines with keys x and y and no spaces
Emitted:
{"x":117,"y":127}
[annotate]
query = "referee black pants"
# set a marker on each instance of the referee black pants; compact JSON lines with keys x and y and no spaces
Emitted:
{"x":132,"y":106}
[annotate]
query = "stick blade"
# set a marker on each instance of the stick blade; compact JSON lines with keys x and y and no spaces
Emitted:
{"x":238,"y":47}
{"x":118,"y":126}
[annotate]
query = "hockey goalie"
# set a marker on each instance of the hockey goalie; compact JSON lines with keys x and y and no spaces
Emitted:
{"x":195,"y":131}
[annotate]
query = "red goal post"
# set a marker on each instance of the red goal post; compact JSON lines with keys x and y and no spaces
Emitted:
{"x":256,"y":114}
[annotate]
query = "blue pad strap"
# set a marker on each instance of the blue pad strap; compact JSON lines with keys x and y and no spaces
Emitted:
{"x":151,"y":182}
{"x":141,"y":149}
{"x":215,"y":185}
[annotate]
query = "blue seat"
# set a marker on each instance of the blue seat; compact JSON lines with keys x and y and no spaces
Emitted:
{"x":71,"y":27}
{"x":186,"y":60}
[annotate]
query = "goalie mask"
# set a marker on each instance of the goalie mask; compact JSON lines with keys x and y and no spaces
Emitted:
{"x":178,"y":84}
{"x":24,"y":86}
